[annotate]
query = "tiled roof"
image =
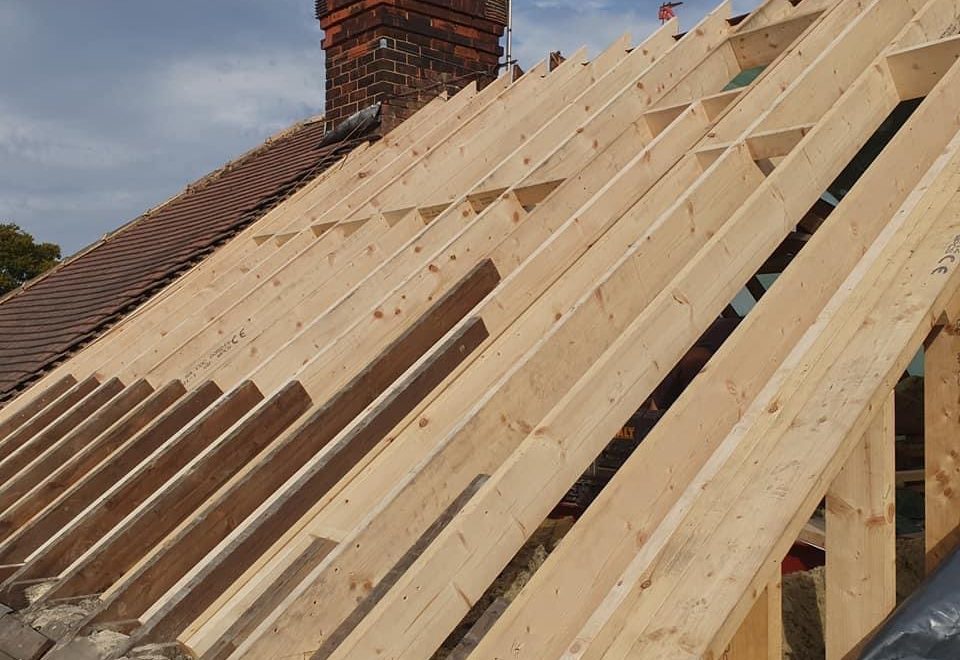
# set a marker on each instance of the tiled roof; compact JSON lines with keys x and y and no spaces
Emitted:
{"x":52,"y":316}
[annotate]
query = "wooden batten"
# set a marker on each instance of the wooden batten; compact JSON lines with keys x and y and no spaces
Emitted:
{"x":32,"y":466}
{"x":28,"y":528}
{"x":35,"y":405}
{"x":72,"y":542}
{"x":47,"y":415}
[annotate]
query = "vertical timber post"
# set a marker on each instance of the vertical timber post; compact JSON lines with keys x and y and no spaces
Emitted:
{"x":861,"y":572}
{"x":760,"y":636}
{"x":941,"y":405}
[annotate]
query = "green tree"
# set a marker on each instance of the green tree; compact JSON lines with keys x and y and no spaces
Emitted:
{"x":22,"y":258}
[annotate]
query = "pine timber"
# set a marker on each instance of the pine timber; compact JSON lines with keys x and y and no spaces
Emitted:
{"x":453,"y":603}
{"x":760,"y":636}
{"x":526,"y":223}
{"x":325,"y":423}
{"x":861,"y":567}
{"x":733,"y":379}
{"x":73,"y":541}
{"x":878,"y":290}
{"x":345,"y":423}
{"x":941,"y":401}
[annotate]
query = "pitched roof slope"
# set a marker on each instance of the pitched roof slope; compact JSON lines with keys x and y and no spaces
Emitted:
{"x":330,"y":441}
{"x":51,"y":317}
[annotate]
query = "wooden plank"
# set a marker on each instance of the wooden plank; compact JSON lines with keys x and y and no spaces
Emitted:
{"x":867,"y":37}
{"x":876,"y":277}
{"x":26,"y":468}
{"x":934,"y":20}
{"x":216,"y":270}
{"x":119,"y":549}
{"x":469,"y":642}
{"x":504,"y":417}
{"x":916,"y":70}
{"x":305,"y":562}
{"x":605,"y":109}
{"x":645,"y":169}
{"x":658,"y":120}
{"x":30,"y":448}
{"x":203,"y":585}
{"x":87,"y":529}
{"x":759,"y":46}
{"x":786,"y":85}
{"x":231,"y":262}
{"x":24,"y":530}
{"x":179,"y":352}
{"x":390,"y":579}
{"x":327,"y":312}
{"x":48,"y":415}
{"x":769,"y":13}
{"x":480,"y":147}
{"x":218,"y":329}
{"x":876,"y":274}
{"x":343,"y":338}
{"x":864,"y":359}
{"x":777,"y":143}
{"x":760,"y":636}
{"x":20,"y":641}
{"x":941,"y":403}
{"x":390,"y":630}
{"x":861,"y":572}
{"x":566,"y":590}
{"x":235,"y":503}
{"x":53,"y":479}
{"x":477,"y":118}
{"x":716,"y":70}
{"x":35,"y":405}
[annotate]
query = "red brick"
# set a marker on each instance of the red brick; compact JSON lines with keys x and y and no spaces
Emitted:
{"x":430,"y":46}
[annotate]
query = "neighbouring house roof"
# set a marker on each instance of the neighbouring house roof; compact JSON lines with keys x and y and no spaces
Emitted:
{"x":54,"y":315}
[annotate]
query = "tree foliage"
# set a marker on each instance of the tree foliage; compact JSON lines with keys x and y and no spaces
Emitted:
{"x":22,"y":258}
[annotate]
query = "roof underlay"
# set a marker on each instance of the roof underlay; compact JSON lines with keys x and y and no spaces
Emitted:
{"x":331,"y":436}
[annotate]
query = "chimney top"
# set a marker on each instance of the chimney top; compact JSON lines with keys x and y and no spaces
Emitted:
{"x":403,"y":53}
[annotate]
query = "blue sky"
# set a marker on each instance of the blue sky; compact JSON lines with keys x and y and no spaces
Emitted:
{"x":110,"y":107}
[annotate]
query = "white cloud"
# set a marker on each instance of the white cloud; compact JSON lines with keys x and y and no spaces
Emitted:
{"x":14,"y":22}
{"x":57,"y":144}
{"x":259,"y":92}
{"x":535,"y":37}
{"x":580,"y":6}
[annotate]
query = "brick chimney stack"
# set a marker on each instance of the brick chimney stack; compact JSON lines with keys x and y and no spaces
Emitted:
{"x":404,"y":53}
